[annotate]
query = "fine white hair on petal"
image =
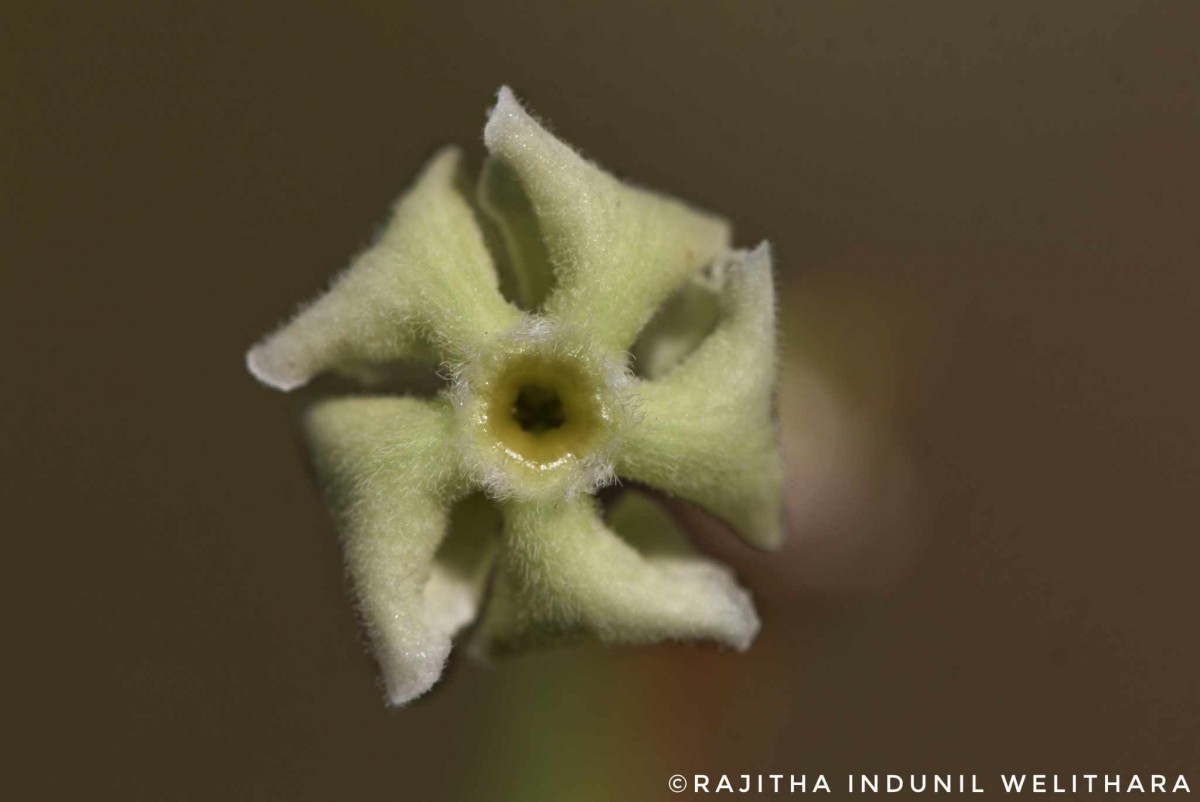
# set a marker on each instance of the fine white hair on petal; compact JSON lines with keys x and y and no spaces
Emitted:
{"x":284,"y":376}
{"x":402,"y":474}
{"x":709,"y":434}
{"x":492,"y":468}
{"x":385,"y":470}
{"x":564,"y":574}
{"x":503,"y":114}
{"x":617,"y":250}
{"x":462,"y":565}
{"x":426,"y":290}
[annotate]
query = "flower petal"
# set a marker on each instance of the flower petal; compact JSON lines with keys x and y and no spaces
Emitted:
{"x":618,"y":251}
{"x":462,"y":564}
{"x":387,"y":472}
{"x":503,"y":199}
{"x":563,"y":575}
{"x":708,"y":433}
{"x":679,"y":326}
{"x":427,"y":282}
{"x":647,"y":527}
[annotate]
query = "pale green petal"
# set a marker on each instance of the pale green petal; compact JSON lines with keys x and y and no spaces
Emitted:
{"x":646,"y":526}
{"x":618,"y":251}
{"x":504,"y":200}
{"x":679,"y":326}
{"x":428,"y":282}
{"x":388,"y":474}
{"x":562,"y":575}
{"x":708,"y":433}
{"x":462,"y":564}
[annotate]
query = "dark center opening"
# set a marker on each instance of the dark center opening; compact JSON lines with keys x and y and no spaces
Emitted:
{"x":538,"y":409}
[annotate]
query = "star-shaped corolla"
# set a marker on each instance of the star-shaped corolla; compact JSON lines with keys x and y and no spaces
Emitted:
{"x":483,"y":497}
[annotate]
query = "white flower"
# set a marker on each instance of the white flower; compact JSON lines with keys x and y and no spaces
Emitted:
{"x":542,"y":409}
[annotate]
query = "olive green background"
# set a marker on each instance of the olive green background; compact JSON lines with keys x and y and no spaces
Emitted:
{"x":985,"y":217}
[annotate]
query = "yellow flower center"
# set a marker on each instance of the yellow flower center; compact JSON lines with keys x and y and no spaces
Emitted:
{"x":540,"y":414}
{"x":543,"y":409}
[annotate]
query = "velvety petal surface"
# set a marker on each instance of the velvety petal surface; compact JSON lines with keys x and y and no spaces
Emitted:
{"x":678,"y":327}
{"x":481,"y":498}
{"x":426,"y":290}
{"x":462,"y":564}
{"x":708,"y":432}
{"x":562,"y":575}
{"x":617,"y":251}
{"x":386,"y":471}
{"x":503,"y":199}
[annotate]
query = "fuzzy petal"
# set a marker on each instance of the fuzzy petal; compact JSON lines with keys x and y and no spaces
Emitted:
{"x":462,"y":564}
{"x":647,"y":527}
{"x":618,"y":251}
{"x":678,"y":328}
{"x":504,"y":200}
{"x":386,"y":470}
{"x":427,"y":283}
{"x":563,"y":575}
{"x":708,"y":433}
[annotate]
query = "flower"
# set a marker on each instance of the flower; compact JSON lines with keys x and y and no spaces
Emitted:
{"x":487,"y":490}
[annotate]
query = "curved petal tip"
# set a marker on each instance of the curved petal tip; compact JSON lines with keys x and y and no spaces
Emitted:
{"x":264,"y":364}
{"x":504,"y":114}
{"x":410,"y":678}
